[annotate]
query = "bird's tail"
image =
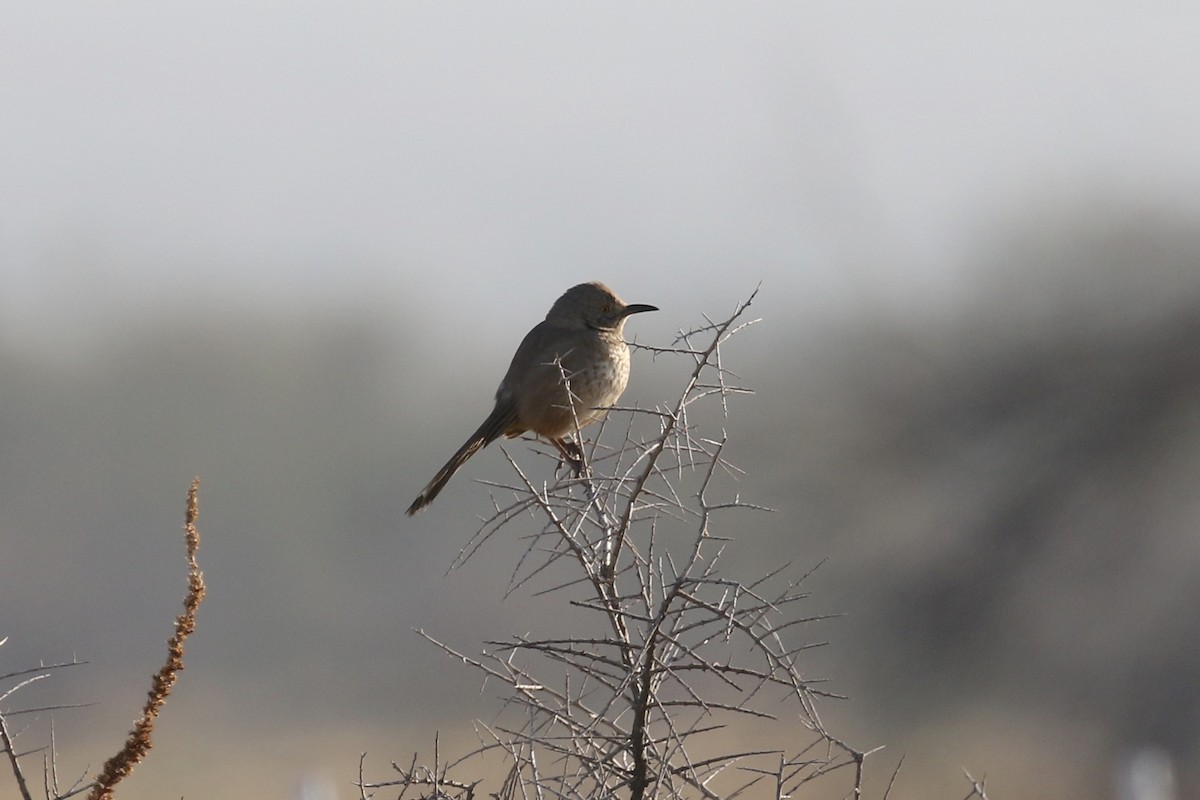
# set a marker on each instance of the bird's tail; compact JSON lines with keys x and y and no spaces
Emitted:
{"x":502,"y":418}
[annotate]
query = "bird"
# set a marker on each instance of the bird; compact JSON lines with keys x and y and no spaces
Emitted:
{"x":567,"y":372}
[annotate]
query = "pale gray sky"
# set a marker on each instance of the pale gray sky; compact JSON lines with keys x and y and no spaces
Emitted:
{"x":295,"y":153}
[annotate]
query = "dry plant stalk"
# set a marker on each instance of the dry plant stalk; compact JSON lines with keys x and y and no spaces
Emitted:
{"x":138,"y":744}
{"x":665,"y":654}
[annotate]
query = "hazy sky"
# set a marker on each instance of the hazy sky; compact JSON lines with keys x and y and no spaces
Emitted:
{"x":294,"y":153}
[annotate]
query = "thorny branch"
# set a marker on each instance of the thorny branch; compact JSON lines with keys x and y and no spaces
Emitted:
{"x":694,"y":665}
{"x":8,"y":737}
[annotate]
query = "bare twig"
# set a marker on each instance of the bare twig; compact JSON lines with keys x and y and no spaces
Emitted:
{"x":6,"y":738}
{"x":978,"y":787}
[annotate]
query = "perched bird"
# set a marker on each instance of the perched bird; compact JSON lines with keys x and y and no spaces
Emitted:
{"x":567,"y":372}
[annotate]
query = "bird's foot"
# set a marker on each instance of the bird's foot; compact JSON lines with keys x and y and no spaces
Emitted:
{"x":572,"y":455}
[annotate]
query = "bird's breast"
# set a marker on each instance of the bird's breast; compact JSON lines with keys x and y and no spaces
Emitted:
{"x":574,"y":387}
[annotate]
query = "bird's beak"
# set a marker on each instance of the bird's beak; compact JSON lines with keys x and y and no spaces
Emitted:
{"x":637,"y":308}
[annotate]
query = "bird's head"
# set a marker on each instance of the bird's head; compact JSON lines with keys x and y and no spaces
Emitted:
{"x":593,"y":305}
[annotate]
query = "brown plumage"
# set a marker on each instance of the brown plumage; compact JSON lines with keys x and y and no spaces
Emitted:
{"x":581,"y":339}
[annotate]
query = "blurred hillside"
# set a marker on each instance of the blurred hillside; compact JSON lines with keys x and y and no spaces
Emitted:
{"x":1004,"y":490}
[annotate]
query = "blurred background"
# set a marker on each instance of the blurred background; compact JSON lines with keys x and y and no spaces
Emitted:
{"x":291,"y":247}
